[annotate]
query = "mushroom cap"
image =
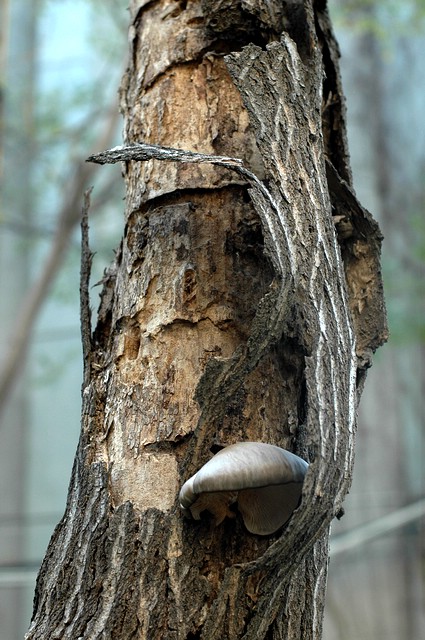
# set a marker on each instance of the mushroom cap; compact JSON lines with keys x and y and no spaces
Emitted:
{"x":268,"y":480}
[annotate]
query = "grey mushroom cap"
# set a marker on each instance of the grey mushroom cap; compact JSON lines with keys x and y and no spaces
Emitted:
{"x":265,"y":480}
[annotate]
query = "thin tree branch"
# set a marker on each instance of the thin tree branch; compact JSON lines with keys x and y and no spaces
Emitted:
{"x":377,"y":528}
{"x":85,"y":271}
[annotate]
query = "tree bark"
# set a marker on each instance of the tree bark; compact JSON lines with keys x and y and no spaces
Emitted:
{"x":244,"y":304}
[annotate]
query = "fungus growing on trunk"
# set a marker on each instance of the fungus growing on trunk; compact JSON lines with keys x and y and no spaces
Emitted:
{"x":265,"y":480}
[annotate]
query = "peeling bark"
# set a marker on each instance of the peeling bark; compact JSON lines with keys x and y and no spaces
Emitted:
{"x":244,"y":303}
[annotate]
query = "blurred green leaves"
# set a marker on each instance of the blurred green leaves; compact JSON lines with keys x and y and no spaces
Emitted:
{"x":404,"y":279}
{"x":381,"y":19}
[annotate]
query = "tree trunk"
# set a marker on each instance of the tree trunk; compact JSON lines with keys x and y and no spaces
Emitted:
{"x":244,"y":304}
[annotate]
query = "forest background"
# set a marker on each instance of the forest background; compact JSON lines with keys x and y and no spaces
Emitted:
{"x":60,"y":68}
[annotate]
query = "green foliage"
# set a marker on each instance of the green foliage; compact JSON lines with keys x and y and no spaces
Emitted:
{"x":404,"y":278}
{"x":109,"y":29}
{"x":51,"y":362}
{"x":390,"y":25}
{"x":78,"y":61}
{"x":381,"y":19}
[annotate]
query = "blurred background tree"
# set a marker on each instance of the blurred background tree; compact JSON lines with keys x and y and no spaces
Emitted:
{"x":59,"y":80}
{"x":60,"y":67}
{"x":376,"y":584}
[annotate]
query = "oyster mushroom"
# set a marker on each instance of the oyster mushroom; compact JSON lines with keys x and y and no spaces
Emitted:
{"x":265,"y":480}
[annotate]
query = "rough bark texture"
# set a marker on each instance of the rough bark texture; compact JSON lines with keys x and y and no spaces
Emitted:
{"x":232,"y":312}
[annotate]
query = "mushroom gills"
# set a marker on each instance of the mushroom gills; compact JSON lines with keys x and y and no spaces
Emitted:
{"x":217,"y":503}
{"x":265,"y":509}
{"x":265,"y":480}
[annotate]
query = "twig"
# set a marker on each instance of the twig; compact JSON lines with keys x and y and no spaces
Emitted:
{"x":85,"y":271}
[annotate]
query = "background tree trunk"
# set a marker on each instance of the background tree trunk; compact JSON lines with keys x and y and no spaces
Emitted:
{"x":385,"y":105}
{"x":18,"y":70}
{"x":232,"y":312}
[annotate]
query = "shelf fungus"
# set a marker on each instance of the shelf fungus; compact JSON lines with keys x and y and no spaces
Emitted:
{"x":265,"y":481}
